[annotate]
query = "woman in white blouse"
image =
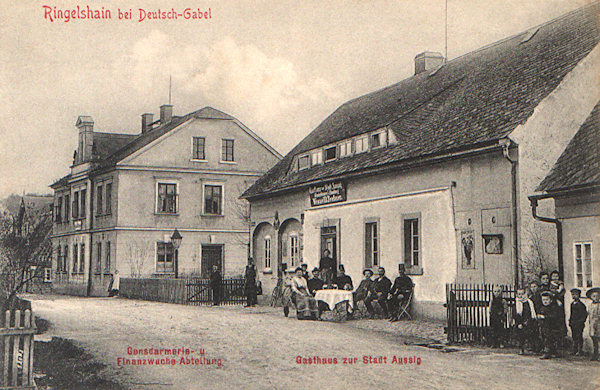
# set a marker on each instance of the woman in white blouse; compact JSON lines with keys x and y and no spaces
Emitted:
{"x":306,"y":305}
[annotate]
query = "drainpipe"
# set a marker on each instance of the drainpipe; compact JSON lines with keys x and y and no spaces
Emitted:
{"x":559,"y":242}
{"x":505,"y":143}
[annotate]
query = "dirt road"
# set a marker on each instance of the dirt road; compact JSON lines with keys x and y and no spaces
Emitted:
{"x":259,"y":350}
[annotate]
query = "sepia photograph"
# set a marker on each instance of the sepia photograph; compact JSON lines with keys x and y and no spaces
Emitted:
{"x":266,"y":194}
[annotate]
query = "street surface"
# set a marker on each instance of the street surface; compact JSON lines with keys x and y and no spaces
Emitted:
{"x":258,"y":349}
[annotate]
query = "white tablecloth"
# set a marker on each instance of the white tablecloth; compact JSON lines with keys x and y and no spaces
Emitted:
{"x":333,"y":297}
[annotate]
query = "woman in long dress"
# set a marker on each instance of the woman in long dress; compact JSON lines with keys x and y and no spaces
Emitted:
{"x":306,"y":304}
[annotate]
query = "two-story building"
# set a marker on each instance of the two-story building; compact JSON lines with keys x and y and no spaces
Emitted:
{"x":434,"y":171}
{"x":127,"y":193}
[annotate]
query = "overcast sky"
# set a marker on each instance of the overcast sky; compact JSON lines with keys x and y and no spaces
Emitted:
{"x":278,"y":66}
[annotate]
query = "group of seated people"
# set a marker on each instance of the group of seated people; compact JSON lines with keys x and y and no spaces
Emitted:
{"x":390,"y":297}
{"x":301,"y":289}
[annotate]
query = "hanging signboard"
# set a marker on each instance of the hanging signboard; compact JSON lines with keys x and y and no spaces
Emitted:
{"x":325,"y":193}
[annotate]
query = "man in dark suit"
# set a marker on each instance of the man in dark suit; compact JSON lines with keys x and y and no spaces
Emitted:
{"x":215,"y":285}
{"x":315,"y":283}
{"x":342,"y":280}
{"x":380,"y":290}
{"x":327,"y":267}
{"x":400,"y":292}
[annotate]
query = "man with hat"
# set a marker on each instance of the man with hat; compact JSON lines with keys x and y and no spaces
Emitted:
{"x":400,"y":292}
{"x":379,"y":292}
{"x":594,"y":318}
{"x":315,"y":283}
{"x":362,"y":292}
{"x":577,"y":321}
{"x":549,"y":317}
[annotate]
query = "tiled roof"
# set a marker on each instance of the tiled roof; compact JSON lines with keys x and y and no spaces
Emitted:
{"x":473,"y":100}
{"x":110,"y":148}
{"x":579,"y":165}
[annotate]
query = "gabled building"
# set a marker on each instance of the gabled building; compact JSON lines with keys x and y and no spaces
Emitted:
{"x":574,"y":185}
{"x":127,"y":193}
{"x":434,"y":171}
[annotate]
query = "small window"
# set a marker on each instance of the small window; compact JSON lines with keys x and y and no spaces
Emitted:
{"x":412,"y":251}
{"x":267,"y":252}
{"x":362,"y":144}
{"x":346,"y":148}
{"x":107,"y":261}
{"x":58,"y":209}
{"x":303,"y":162}
{"x":164,"y":257}
{"x":76,"y":205}
{"x":213,"y":197}
{"x":377,"y":140}
{"x":294,"y":250}
{"x":330,"y":153}
{"x":66,"y":258}
{"x":67,"y":205}
{"x":99,"y":203}
{"x":198,"y":148}
{"x":583,"y":265}
{"x":98,"y":257}
{"x":371,"y":245}
{"x":82,"y":258}
{"x":108,"y":190}
{"x":59,"y":259}
{"x":317,"y":157}
{"x":167,"y":198}
{"x":75,"y":258}
{"x":82,"y":194}
{"x":227,"y":150}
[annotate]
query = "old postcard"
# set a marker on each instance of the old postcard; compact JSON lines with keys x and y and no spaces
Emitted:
{"x":319,"y":194}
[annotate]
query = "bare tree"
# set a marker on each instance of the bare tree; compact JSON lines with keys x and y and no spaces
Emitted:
{"x":535,"y":259}
{"x":136,"y":255}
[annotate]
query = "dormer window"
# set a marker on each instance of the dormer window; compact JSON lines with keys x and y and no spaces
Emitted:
{"x":362,"y":144}
{"x":346,"y":148}
{"x":376,"y":140}
{"x":316,"y":157}
{"x":303,"y":162}
{"x":330,"y":153}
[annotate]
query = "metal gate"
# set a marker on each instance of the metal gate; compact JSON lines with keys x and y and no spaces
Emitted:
{"x":199,"y":292}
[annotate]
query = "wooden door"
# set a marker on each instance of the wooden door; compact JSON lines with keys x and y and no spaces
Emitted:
{"x":211,"y":255}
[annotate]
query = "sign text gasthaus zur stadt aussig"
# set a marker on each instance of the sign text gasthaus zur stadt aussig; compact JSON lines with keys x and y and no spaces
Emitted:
{"x":331,"y":192}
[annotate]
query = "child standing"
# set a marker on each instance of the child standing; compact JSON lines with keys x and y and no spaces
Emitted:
{"x":577,"y":321}
{"x":498,"y":307}
{"x":594,"y":316}
{"x":524,"y":315}
{"x":549,"y":317}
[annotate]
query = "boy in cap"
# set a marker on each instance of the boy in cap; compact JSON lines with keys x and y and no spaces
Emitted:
{"x":549,"y":317}
{"x":594,"y":318}
{"x":577,"y":321}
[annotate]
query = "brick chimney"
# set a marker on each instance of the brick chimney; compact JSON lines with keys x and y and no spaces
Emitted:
{"x":146,"y":122}
{"x":166,"y":113}
{"x":428,"y":60}
{"x":85,"y":124}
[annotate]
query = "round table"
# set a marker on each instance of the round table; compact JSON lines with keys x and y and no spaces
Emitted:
{"x":333,"y":297}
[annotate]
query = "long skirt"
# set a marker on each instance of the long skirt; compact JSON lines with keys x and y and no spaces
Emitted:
{"x":306,"y":307}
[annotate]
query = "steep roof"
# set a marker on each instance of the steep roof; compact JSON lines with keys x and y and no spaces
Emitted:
{"x":579,"y":165}
{"x":473,"y":100}
{"x":110,"y":148}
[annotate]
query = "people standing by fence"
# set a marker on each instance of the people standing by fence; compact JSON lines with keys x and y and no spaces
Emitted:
{"x":498,"y":310}
{"x":250,"y":287}
{"x":525,"y":326}
{"x":216,"y":280}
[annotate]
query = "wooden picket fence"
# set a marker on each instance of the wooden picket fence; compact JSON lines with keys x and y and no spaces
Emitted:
{"x":191,"y":291}
{"x":16,"y":350}
{"x":467,"y":307}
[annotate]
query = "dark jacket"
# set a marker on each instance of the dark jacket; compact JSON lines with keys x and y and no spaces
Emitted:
{"x":550,"y":324}
{"x":315,"y":284}
{"x":250,"y":279}
{"x":402,"y":285}
{"x":498,"y":307}
{"x":382,"y":285}
{"x":363,"y":289}
{"x":215,"y":279}
{"x":525,"y":318}
{"x":341,"y":281}
{"x":327,"y":263}
{"x":578,"y":314}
